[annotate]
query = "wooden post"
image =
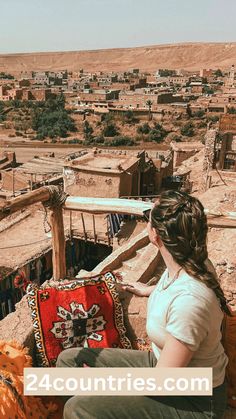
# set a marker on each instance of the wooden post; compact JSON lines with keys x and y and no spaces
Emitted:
{"x":13,"y":182}
{"x":58,"y":244}
{"x":70,"y":224}
{"x":94,"y":230}
{"x":85,"y":234}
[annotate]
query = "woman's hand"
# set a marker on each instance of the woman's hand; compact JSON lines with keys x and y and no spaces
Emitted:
{"x":137,"y":288}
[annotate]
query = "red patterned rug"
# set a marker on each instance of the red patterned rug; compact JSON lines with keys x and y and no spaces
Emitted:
{"x":85,"y":313}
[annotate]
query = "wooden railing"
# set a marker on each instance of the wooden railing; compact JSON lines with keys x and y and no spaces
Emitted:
{"x":81,"y":204}
{"x":92,"y":206}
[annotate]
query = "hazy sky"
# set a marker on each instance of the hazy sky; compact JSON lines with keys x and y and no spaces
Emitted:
{"x":56,"y":25}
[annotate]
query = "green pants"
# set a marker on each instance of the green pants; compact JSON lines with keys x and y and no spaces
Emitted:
{"x":134,"y":407}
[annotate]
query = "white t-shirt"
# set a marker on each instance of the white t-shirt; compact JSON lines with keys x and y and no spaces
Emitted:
{"x":189,"y":311}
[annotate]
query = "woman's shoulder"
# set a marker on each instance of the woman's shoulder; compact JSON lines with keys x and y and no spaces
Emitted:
{"x":190,"y":285}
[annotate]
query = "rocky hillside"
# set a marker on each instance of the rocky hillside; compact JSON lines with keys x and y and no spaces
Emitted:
{"x":190,"y":56}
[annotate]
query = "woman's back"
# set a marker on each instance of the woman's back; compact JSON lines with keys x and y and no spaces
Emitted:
{"x":188,"y":310}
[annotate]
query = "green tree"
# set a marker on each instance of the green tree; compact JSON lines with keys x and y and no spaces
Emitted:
{"x":88,"y":130}
{"x":165,"y":72}
{"x":157,"y":134}
{"x":6,"y":76}
{"x":143,"y":129}
{"x":110,"y":130}
{"x":231,"y":110}
{"x":107,"y":118}
{"x":187,"y":129}
{"x":218,"y":73}
{"x":2,"y":114}
{"x":121,"y":141}
{"x":129,"y":117}
{"x":208,"y":90}
{"x":51,"y":119}
{"x":199,"y":114}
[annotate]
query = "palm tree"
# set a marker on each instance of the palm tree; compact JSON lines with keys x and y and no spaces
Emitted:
{"x":149,"y":104}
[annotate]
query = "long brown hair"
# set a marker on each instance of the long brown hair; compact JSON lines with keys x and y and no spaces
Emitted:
{"x":181,"y":223}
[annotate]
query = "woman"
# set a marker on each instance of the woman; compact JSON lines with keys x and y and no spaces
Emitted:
{"x":184,"y":316}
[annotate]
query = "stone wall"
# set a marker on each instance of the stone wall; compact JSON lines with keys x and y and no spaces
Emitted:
{"x":208,"y":161}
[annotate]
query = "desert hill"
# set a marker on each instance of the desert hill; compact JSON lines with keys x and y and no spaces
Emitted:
{"x":190,"y":56}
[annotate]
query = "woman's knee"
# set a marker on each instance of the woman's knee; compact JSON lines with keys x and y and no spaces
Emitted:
{"x":70,"y":406}
{"x":67,"y":358}
{"x":83,"y":407}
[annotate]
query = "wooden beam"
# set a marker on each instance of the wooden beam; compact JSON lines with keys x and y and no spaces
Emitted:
{"x":13,"y":205}
{"x":107,"y":205}
{"x":221,"y":222}
{"x":58,"y":244}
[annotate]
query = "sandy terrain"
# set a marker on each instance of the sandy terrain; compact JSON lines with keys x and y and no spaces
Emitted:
{"x":191,"y":56}
{"x":24,"y":154}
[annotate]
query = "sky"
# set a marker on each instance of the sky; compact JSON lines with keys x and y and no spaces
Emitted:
{"x":70,"y":25}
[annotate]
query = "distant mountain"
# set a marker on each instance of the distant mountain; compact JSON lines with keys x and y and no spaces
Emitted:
{"x":189,"y":56}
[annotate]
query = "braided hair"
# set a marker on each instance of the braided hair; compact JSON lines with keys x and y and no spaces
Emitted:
{"x":181,"y":223}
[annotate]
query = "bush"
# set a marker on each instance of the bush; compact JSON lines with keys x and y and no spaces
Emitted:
{"x":94,"y":140}
{"x":218,"y":73}
{"x":202,"y":124}
{"x":75,"y":141}
{"x":2,"y":115}
{"x":99,"y":140}
{"x":213,"y":118}
{"x":121,"y":140}
{"x":129,"y":117}
{"x":165,"y":72}
{"x":110,"y":130}
{"x":187,"y":129}
{"x":177,"y":138}
{"x":6,"y":76}
{"x":143,"y":129}
{"x":107,"y":118}
{"x":87,"y":129}
{"x":231,"y":110}
{"x":199,"y":114}
{"x":157,"y":134}
{"x":208,"y":90}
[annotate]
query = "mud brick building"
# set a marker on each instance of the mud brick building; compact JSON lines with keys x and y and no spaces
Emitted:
{"x":103,"y":175}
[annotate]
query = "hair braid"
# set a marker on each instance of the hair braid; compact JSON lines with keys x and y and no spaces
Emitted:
{"x":182,"y":225}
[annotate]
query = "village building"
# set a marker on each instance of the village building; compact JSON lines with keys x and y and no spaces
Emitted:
{"x":87,"y":97}
{"x":113,"y":174}
{"x":220,"y":153}
{"x":183,"y":151}
{"x":206,"y":73}
{"x":225,"y":157}
{"x":39,"y":171}
{"x":138,"y":100}
{"x":104,"y":175}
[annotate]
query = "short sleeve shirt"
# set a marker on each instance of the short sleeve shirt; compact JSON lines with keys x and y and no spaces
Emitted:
{"x":189,"y":311}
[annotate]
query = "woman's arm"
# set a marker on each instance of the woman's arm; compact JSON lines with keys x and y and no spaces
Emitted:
{"x":138,"y":288}
{"x":174,"y":354}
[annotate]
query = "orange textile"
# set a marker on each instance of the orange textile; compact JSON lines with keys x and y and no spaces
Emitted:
{"x":13,"y":359}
